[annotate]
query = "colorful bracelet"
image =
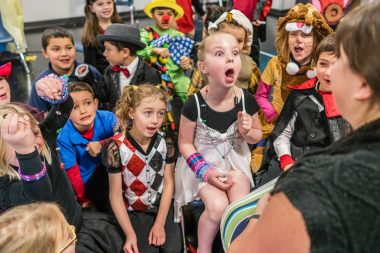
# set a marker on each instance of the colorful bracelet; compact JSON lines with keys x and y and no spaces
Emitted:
{"x":199,"y":166}
{"x":35,"y":177}
{"x":64,"y":91}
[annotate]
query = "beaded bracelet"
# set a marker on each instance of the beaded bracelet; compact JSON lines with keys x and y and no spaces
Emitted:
{"x":35,"y":177}
{"x":64,"y":91}
{"x":199,"y":166}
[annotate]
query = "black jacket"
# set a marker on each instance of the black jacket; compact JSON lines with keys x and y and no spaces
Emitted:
{"x":107,"y":90}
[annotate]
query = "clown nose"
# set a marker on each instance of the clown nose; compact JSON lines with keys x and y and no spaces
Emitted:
{"x":165,"y":18}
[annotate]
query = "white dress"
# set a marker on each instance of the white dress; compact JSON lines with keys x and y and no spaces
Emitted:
{"x":224,"y":151}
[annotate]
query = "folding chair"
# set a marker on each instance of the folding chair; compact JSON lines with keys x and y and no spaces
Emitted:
{"x":131,"y":8}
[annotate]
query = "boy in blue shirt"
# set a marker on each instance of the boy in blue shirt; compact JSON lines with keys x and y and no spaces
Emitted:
{"x":80,"y":142}
{"x":58,"y":47}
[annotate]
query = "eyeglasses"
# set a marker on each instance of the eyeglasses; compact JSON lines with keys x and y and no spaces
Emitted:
{"x":73,"y":238}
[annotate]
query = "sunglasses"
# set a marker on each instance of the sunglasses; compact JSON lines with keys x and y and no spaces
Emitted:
{"x":73,"y":238}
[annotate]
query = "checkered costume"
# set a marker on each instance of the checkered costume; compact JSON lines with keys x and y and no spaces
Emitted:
{"x":142,"y":172}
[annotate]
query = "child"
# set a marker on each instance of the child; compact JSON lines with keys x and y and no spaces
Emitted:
{"x":161,"y":39}
{"x":58,"y":48}
{"x":42,"y":227}
{"x":80,"y":142}
{"x":298,"y":34}
{"x":140,"y":165}
{"x":310,"y":119}
{"x":100,"y":14}
{"x":5,"y":92}
{"x":126,"y":68}
{"x":235,"y":23}
{"x":30,"y":169}
{"x":216,"y":125}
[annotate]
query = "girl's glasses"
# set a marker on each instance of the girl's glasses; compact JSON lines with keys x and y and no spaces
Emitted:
{"x":73,"y":238}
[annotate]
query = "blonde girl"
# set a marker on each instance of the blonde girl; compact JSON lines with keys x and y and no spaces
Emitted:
{"x":216,"y":125}
{"x":140,"y":164}
{"x":99,"y":14}
{"x":236,"y":23}
{"x":38,"y":227}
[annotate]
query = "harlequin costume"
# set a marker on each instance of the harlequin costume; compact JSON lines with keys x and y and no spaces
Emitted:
{"x":142,"y":175}
{"x":282,"y":72}
{"x":308,"y":122}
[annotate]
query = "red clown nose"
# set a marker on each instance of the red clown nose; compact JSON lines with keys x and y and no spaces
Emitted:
{"x":165,"y":18}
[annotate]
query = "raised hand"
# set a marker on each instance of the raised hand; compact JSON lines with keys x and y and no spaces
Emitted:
{"x":16,"y":130}
{"x":185,"y":63}
{"x":49,"y":87}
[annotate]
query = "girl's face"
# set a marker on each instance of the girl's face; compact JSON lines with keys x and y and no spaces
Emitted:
{"x":103,"y":9}
{"x":325,"y":61}
{"x":221,"y":63}
{"x":301,"y":46}
{"x":5,"y":93}
{"x":147,"y":117}
{"x":238,"y":32}
{"x":164,"y":18}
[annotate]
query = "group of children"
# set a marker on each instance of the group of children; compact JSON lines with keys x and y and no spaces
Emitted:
{"x":145,"y":82}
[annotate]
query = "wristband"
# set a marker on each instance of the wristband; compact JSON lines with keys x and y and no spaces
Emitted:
{"x":64,"y":91}
{"x":35,"y":177}
{"x":199,"y":166}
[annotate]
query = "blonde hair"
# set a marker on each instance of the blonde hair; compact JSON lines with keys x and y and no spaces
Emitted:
{"x":132,"y":97}
{"x":5,"y":168}
{"x":203,"y":44}
{"x":37,"y":227}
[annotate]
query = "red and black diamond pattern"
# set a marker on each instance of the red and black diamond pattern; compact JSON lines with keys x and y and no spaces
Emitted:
{"x":142,"y":174}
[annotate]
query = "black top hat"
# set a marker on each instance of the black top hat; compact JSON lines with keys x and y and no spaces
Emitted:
{"x":122,"y":33}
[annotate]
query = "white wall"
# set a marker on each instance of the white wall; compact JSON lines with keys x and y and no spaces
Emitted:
{"x":42,"y":10}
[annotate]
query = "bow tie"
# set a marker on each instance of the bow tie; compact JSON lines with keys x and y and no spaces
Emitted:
{"x":119,"y":69}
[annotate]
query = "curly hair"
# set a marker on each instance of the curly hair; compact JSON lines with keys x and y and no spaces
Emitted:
{"x":131,"y":98}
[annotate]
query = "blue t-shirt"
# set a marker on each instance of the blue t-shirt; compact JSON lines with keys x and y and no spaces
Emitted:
{"x":43,"y":106}
{"x":73,"y":146}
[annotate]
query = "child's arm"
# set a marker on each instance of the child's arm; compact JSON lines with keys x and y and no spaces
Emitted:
{"x":249,"y":127}
{"x":149,"y":50}
{"x":120,"y":211}
{"x":282,"y":145}
{"x":157,"y":236}
{"x":204,"y":171}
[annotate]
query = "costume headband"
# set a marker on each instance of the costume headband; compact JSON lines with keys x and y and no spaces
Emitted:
{"x":6,"y":69}
{"x":298,"y":26}
{"x":240,"y":18}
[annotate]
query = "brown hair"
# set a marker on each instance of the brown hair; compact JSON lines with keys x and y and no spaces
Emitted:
{"x":55,"y":32}
{"x":121,"y":45}
{"x":358,"y":35}
{"x":5,"y":168}
{"x":132,"y":97}
{"x":37,"y":227}
{"x":91,"y":25}
{"x":326,"y":45}
{"x":80,"y":86}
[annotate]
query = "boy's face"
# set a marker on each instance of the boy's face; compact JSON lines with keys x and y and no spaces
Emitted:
{"x":103,"y":9}
{"x":61,"y":53}
{"x":164,"y":18}
{"x":113,"y":55}
{"x":221,"y":63}
{"x":84,"y":111}
{"x":325,"y":61}
{"x":5,"y":93}
{"x":301,"y":46}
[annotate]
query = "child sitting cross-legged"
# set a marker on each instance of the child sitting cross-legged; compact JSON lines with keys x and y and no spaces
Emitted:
{"x":80,"y":142}
{"x":140,"y":162}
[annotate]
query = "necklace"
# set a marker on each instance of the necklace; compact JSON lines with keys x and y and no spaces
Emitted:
{"x":230,"y":134}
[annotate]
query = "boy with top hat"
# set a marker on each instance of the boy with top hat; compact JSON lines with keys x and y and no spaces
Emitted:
{"x":126,"y":68}
{"x":168,"y":50}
